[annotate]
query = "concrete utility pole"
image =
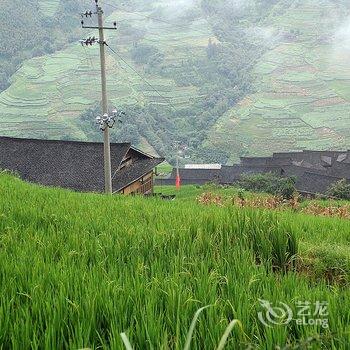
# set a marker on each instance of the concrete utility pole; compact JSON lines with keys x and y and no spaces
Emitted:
{"x":106,"y":122}
{"x":107,"y":143}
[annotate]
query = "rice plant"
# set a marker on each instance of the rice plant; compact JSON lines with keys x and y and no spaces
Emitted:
{"x":77,"y":270}
{"x":221,"y":345}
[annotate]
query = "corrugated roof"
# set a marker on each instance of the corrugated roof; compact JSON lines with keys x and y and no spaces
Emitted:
{"x":203,"y":166}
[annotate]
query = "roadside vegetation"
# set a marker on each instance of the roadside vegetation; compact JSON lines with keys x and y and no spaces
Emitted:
{"x":77,"y":270}
{"x":283,"y":187}
{"x":340,"y":190}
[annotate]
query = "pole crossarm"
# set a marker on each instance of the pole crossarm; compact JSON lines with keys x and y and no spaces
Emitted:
{"x":107,"y":121}
{"x":104,"y":28}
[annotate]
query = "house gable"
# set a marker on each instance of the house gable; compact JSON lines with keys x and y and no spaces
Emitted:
{"x":74,"y":165}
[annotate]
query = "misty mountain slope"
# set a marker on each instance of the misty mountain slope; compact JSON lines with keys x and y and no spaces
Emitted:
{"x":228,"y":78}
{"x":49,"y":93}
{"x":49,"y":7}
{"x":32,"y":28}
{"x":195,"y":56}
{"x":302,"y":85}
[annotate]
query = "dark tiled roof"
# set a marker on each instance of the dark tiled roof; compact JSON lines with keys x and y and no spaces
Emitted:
{"x":341,"y":170}
{"x":208,"y":175}
{"x":305,"y":164}
{"x":288,"y":155}
{"x":312,"y":180}
{"x":323,"y":158}
{"x":255,"y":161}
{"x":73,"y":165}
{"x":314,"y":171}
{"x":295,"y":170}
{"x":280,"y":161}
{"x":231,"y":174}
{"x":315,"y":183}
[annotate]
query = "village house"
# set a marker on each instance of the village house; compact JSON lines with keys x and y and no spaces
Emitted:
{"x":314,"y":171}
{"x":78,"y":165}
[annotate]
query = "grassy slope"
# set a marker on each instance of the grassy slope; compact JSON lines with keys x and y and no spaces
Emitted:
{"x":48,"y":94}
{"x":78,"y":269}
{"x":302,"y":98}
{"x":331,"y":254}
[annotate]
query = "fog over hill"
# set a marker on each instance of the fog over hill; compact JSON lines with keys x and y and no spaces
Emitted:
{"x":225,"y":78}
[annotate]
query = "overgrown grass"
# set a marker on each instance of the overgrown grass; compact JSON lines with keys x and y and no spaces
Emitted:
{"x":76,"y":270}
{"x":329,"y":258}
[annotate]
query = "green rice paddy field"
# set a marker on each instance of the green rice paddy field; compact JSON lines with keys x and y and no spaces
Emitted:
{"x":76,"y":270}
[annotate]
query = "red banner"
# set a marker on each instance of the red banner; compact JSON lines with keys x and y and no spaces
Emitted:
{"x":178,"y":182}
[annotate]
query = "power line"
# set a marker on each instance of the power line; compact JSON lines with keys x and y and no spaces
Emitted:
{"x":89,"y":59}
{"x":163,"y":29}
{"x":144,"y":39}
{"x":94,"y":69}
{"x":156,"y":34}
{"x":167,"y":45}
{"x":106,"y":121}
{"x":129,"y":81}
{"x":181,"y":43}
{"x":143,"y":78}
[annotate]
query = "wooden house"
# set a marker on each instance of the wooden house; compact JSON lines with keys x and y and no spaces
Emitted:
{"x":78,"y":166}
{"x":314,"y":171}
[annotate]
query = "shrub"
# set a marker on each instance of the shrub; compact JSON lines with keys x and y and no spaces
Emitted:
{"x":269,"y":183}
{"x":339,"y":190}
{"x":146,"y":54}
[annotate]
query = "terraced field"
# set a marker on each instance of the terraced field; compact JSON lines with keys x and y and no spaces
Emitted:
{"x":302,"y":82}
{"x":49,"y":93}
{"x":49,"y":7}
{"x":302,"y":97}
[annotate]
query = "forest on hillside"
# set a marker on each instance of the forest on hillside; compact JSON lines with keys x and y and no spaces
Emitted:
{"x":178,"y":72}
{"x":222,"y":74}
{"x":25,"y":32}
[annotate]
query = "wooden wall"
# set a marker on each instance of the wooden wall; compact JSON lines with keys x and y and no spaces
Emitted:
{"x":142,"y":186}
